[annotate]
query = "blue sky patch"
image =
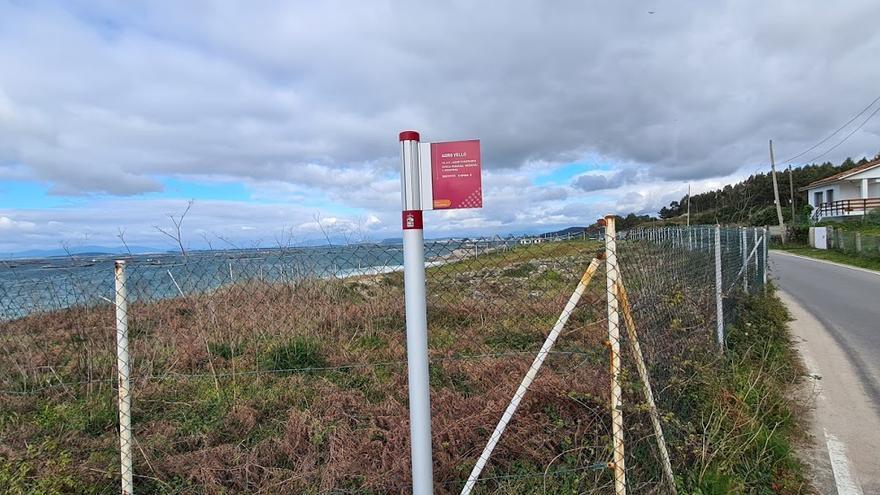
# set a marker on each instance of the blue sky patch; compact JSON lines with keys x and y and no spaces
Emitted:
{"x":27,"y":194}
{"x":564,"y":174}
{"x":214,"y":190}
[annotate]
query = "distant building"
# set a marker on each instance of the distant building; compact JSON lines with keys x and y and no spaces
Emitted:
{"x":531,"y":240}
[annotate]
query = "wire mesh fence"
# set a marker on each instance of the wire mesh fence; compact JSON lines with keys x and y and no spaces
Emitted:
{"x":284,"y":370}
{"x":855,"y":243}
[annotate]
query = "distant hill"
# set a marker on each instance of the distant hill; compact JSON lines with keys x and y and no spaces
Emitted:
{"x":564,"y":232}
{"x":80,"y":251}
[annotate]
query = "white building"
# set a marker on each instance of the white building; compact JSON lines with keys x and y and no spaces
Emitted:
{"x":851,"y":193}
{"x":531,"y":240}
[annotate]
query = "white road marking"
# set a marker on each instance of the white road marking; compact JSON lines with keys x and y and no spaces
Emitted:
{"x":843,"y":475}
{"x":827,"y":262}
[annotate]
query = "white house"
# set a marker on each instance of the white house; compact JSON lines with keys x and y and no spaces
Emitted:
{"x":851,"y":193}
{"x":531,"y":240}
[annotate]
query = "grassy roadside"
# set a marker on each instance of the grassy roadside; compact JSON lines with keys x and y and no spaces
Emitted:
{"x":733,"y":424}
{"x":743,"y":411}
{"x":831,"y":255}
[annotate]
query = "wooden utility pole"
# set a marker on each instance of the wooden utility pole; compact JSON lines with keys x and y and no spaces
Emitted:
{"x":791,"y":190}
{"x":776,"y":193}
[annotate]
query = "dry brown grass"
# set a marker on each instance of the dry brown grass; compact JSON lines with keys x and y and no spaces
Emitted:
{"x":221,"y":402}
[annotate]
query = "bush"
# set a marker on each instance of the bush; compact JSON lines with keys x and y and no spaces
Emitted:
{"x":300,"y":354}
{"x":799,"y":234}
{"x":766,"y":216}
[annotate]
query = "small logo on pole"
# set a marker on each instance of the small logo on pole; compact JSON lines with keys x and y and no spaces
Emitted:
{"x":412,"y":220}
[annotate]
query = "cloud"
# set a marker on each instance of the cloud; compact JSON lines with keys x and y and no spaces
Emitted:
{"x":9,"y":225}
{"x":598,"y":182}
{"x":302,"y":102}
{"x":239,"y":88}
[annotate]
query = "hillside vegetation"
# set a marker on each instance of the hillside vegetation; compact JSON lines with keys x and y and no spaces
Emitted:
{"x":751,"y":201}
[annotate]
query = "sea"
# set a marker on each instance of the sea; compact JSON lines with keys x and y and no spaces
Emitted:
{"x":49,"y":284}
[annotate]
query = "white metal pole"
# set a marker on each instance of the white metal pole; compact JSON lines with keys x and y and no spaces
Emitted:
{"x":416,"y":317}
{"x":766,"y":251}
{"x":719,"y":304}
{"x":612,"y":270}
{"x":757,"y":258}
{"x":744,"y":243}
{"x":123,"y":371}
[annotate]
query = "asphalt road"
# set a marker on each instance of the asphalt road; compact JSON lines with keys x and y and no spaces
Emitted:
{"x":837,"y":325}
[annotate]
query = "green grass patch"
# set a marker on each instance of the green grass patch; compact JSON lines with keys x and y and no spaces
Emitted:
{"x":300,"y":354}
{"x":551,"y":277}
{"x":93,"y":416}
{"x":53,"y":476}
{"x":393,"y":280}
{"x":441,"y":337}
{"x":441,"y":376}
{"x":520,"y":271}
{"x":225,"y":350}
{"x":509,"y":339}
{"x":371,"y":342}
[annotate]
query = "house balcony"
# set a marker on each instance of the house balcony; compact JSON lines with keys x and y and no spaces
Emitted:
{"x":845,"y":208}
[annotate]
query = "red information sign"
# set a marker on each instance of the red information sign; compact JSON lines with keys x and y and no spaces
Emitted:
{"x":455,"y":175}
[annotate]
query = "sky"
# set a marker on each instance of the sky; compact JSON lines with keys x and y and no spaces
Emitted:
{"x":280,"y":119}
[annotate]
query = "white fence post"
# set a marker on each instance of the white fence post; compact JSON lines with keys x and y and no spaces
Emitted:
{"x":719,"y":304}
{"x":744,"y":243}
{"x":757,"y":258}
{"x":416,"y":316}
{"x":766,"y":252}
{"x":123,"y":376}
{"x":612,"y":270}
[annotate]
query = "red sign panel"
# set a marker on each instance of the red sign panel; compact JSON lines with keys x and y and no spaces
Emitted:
{"x":455,"y":175}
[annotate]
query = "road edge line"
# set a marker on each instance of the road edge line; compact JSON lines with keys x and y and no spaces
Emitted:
{"x":840,"y":467}
{"x":818,"y":260}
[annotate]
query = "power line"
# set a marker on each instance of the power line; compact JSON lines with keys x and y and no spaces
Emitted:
{"x":829,"y":150}
{"x":848,"y":122}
